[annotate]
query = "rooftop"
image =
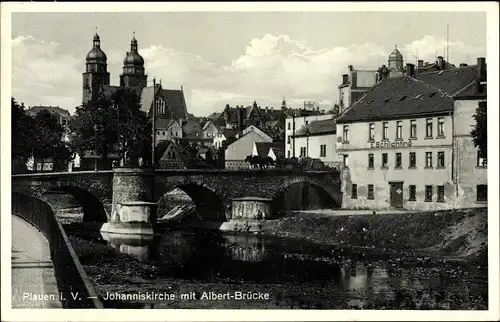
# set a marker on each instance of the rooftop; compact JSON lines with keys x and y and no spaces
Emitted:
{"x":423,"y":94}
{"x":318,"y":127}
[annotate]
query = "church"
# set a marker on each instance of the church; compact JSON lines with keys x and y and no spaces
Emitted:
{"x":170,"y":104}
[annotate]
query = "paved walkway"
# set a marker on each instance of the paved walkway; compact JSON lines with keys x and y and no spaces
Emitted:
{"x":33,"y":282}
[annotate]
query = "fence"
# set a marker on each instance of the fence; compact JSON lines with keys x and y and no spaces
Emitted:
{"x":69,"y":273}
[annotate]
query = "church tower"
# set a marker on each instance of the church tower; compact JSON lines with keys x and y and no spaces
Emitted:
{"x":396,"y":61}
{"x":133,"y":69}
{"x":96,"y":71}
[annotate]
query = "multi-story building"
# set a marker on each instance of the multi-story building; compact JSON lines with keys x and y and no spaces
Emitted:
{"x":237,"y":151}
{"x":167,"y":130}
{"x":407,"y":143}
{"x":317,"y":140}
{"x":294,"y":123}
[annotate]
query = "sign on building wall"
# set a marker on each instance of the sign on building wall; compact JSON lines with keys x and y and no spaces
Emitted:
{"x":389,"y":144}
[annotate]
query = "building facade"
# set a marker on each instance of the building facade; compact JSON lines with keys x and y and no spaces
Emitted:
{"x":237,"y":151}
{"x":317,"y":140}
{"x":293,"y":125}
{"x":407,"y":143}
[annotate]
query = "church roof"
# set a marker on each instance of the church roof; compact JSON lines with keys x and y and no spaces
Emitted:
{"x":174,"y":100}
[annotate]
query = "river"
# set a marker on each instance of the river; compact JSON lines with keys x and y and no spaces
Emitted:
{"x":293,"y":274}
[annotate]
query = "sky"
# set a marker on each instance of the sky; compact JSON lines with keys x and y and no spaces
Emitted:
{"x":232,"y":58}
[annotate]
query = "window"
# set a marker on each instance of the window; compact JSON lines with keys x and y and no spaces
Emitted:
{"x":322,"y":150}
{"x":370,"y":192}
{"x":413,"y":160}
{"x":307,"y":122}
{"x":399,"y":130}
{"x":384,"y":160}
{"x":289,"y":126}
{"x":482,"y":192}
{"x":345,"y":136}
{"x":481,"y":159}
{"x":440,"y":160}
{"x":398,"y":160}
{"x":354,"y":191}
{"x":385,"y":132}
{"x":289,"y":138}
{"x":345,"y":160}
{"x":288,"y":153}
{"x":440,"y":194}
{"x":413,"y":129}
{"x":303,"y":152}
{"x":370,"y":160}
{"x":413,"y":193}
{"x":428,"y":159}
{"x":428,"y":128}
{"x":428,"y":193}
{"x":440,"y":127}
{"x":371,"y":135}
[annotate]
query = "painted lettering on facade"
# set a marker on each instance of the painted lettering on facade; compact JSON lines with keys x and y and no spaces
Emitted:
{"x":389,"y":144}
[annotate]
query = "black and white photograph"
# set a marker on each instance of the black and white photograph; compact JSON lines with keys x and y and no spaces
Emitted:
{"x":239,"y":159}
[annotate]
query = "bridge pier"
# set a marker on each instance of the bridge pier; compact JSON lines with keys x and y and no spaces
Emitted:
{"x":251,"y":208}
{"x":132,"y":210}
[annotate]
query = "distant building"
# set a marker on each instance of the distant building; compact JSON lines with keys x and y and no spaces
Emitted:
{"x":407,"y":143}
{"x":317,"y":140}
{"x":167,"y":130}
{"x":62,"y":114}
{"x":237,"y":151}
{"x":294,"y":124}
{"x":223,"y":135}
{"x":354,"y":85}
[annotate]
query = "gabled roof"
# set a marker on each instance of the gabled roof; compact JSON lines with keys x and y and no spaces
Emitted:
{"x":229,"y":133}
{"x":164,"y":123}
{"x":426,"y":94}
{"x":174,"y":99}
{"x":176,"y":103}
{"x":318,"y":127}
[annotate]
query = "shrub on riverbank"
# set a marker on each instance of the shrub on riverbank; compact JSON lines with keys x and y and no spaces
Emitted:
{"x":458,"y":233}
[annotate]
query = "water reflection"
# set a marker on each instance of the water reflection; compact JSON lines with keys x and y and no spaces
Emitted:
{"x":137,"y":246}
{"x":298,"y":274}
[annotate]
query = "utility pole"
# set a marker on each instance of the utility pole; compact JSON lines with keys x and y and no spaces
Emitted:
{"x":153,"y":114}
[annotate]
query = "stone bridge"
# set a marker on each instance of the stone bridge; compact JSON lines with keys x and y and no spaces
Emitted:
{"x":211,"y":190}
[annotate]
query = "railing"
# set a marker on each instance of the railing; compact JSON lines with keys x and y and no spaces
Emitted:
{"x":72,"y":281}
{"x":237,"y":164}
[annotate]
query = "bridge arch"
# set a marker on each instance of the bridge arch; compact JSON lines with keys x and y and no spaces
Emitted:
{"x":208,"y":203}
{"x":93,"y":208}
{"x":285,"y":197}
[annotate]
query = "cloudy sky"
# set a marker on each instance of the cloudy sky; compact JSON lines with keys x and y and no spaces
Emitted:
{"x":231,"y":57}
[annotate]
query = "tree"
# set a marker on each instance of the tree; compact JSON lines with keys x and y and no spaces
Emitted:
{"x":22,"y":133}
{"x":48,"y":140}
{"x":479,"y":132}
{"x":114,"y":124}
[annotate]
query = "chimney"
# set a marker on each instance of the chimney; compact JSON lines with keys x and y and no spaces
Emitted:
{"x":350,"y":68}
{"x":345,"y":79}
{"x":463,"y":65}
{"x":22,"y":105}
{"x":440,"y":62}
{"x":410,"y":70}
{"x":267,"y":108}
{"x":182,"y":88}
{"x":481,"y":68}
{"x":420,"y":63}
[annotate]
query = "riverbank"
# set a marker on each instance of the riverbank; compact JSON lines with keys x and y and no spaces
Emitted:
{"x":453,"y":234}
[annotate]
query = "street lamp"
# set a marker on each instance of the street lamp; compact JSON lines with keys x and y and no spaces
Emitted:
{"x":96,"y":127}
{"x":293,"y":133}
{"x":307,"y":142}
